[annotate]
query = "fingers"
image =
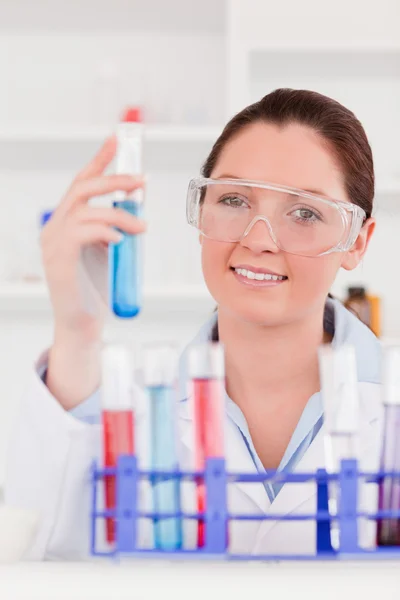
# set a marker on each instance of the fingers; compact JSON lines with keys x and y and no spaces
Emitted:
{"x":82,"y":190}
{"x":63,"y":248}
{"x":97,"y":233}
{"x":86,"y":226}
{"x":115,"y":217}
{"x":100,"y":161}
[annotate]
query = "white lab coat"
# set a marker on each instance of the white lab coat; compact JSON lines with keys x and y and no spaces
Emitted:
{"x":49,"y":464}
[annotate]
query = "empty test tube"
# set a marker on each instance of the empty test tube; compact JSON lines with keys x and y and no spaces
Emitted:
{"x":338,"y":376}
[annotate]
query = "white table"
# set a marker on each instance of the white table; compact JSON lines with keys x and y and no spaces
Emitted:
{"x":145,"y":580}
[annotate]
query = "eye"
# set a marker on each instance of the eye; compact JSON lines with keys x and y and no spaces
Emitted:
{"x":306,"y":215}
{"x":233,"y":201}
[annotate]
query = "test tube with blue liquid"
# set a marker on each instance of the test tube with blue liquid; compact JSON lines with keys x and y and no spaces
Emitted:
{"x":126,"y":258}
{"x":159,"y":376}
{"x":388,"y":531}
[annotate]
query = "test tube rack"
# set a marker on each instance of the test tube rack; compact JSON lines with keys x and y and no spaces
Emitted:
{"x":126,"y":514}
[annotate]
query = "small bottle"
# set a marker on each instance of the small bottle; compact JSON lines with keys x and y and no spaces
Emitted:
{"x":126,"y":257}
{"x":207,"y":375}
{"x":375,"y":319}
{"x":160,"y":374}
{"x":117,"y":419}
{"x":357,"y":302}
{"x":34,"y":271}
{"x":45,"y":216}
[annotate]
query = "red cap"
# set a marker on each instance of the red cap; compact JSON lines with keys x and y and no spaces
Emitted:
{"x":132,"y":114}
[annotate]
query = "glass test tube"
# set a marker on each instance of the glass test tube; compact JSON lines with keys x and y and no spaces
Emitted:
{"x":126,"y":260}
{"x":117,"y":419}
{"x":159,"y":373}
{"x":388,"y":530}
{"x":338,"y":376}
{"x":207,"y":375}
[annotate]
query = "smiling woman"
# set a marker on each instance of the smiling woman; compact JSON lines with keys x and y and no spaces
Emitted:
{"x":284,"y":202}
{"x":297,"y":140}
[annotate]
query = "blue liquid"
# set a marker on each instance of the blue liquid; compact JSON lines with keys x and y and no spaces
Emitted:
{"x":126,"y":268}
{"x":166,"y":494}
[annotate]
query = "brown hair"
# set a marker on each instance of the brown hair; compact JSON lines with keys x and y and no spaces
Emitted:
{"x":337,"y":125}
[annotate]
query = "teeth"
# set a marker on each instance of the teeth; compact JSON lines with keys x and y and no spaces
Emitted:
{"x":259,"y":276}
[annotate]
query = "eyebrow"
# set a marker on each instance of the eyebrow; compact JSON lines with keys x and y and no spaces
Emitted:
{"x":309,"y":190}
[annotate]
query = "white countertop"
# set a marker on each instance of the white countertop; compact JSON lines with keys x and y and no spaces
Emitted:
{"x":194,"y":580}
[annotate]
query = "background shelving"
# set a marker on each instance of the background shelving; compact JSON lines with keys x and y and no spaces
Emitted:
{"x":153,"y":134}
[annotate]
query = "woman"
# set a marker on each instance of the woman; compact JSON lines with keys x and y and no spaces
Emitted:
{"x":269,"y":255}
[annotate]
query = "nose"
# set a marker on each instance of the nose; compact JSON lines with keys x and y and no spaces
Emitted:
{"x":258,"y":237}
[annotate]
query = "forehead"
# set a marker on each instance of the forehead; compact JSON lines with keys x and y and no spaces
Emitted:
{"x":292,"y":155}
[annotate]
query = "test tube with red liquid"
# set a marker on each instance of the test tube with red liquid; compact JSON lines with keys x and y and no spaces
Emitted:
{"x":207,"y":376}
{"x":117,"y":419}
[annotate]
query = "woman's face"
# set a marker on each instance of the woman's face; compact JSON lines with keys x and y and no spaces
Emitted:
{"x":294,"y":156}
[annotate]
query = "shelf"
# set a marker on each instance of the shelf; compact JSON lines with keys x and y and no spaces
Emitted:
{"x":152,"y":133}
{"x":93,"y":16}
{"x":33,"y":297}
{"x":198,"y":133}
{"x":315,"y":26}
{"x":166,"y":147}
{"x":318,"y":48}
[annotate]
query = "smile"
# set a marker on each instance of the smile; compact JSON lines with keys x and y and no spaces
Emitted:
{"x":259,"y":276}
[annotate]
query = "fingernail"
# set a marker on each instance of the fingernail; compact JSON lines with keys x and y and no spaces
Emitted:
{"x":120,"y":237}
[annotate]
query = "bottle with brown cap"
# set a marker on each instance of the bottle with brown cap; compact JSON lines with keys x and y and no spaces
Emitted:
{"x":365,"y":306}
{"x":357,"y":302}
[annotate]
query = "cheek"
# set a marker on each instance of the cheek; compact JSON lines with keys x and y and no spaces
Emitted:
{"x":313,"y":277}
{"x":214,"y":259}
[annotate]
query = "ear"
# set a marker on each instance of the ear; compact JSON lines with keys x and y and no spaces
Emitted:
{"x":354,"y":256}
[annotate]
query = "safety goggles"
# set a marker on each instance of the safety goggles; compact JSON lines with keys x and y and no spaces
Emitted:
{"x":298,"y":222}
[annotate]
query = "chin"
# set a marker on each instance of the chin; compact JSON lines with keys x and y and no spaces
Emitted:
{"x":258,"y":311}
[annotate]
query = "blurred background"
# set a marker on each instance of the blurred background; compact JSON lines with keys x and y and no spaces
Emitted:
{"x":67,"y":71}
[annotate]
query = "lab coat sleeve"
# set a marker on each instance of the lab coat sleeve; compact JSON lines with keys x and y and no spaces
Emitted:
{"x":88,"y":410}
{"x":49,"y":463}
{"x":48,"y":468}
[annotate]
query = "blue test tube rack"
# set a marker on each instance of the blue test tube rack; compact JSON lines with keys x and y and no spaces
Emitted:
{"x":216,"y":516}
